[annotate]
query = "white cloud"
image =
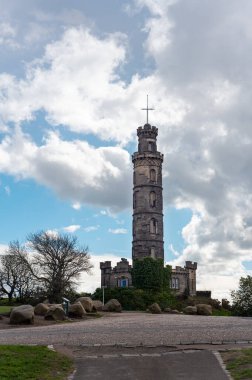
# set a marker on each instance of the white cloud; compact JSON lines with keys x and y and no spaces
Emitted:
{"x":53,"y":233}
{"x":3,"y":128}
{"x":7,"y":35}
{"x":91,"y":228}
{"x":68,"y":168}
{"x":174,"y":251}
{"x":62,"y":83}
{"x":76,"y":206}
{"x":120,"y":221}
{"x":7,"y":190}
{"x":3,"y":248}
{"x":72,"y":228}
{"x":87,"y":282}
{"x":118,"y":231}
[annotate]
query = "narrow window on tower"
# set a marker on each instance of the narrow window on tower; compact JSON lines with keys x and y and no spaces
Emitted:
{"x":153,"y":226}
{"x":153,"y":176}
{"x":153,"y":199}
{"x":150,"y":146}
{"x":134,"y":200}
{"x":177,"y":283}
{"x":152,"y":253}
{"x":174,"y":283}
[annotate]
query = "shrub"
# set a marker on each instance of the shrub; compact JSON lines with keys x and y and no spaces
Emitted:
{"x":151,"y":274}
{"x":136,"y":299}
{"x":242,"y":298}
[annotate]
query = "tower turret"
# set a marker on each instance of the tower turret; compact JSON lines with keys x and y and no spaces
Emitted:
{"x":147,"y":196}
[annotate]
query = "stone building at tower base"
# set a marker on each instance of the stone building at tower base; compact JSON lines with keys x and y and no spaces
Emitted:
{"x":183,"y":279}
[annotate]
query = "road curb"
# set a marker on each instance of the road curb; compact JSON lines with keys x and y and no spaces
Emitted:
{"x":166,"y":345}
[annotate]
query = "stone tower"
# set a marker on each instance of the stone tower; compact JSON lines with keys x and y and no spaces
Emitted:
{"x":147,"y":196}
{"x":148,"y":219}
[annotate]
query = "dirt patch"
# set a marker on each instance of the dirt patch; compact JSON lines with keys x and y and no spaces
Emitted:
{"x":38,"y":322}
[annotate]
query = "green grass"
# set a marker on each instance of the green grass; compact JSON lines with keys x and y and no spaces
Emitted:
{"x":239,"y":363}
{"x":33,"y":363}
{"x":5,"y":309}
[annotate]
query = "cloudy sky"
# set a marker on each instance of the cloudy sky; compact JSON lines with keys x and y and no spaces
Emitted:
{"x":73,"y":79}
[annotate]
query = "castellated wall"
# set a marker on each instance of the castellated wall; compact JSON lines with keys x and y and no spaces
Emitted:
{"x":119,"y":276}
{"x":183,"y":280}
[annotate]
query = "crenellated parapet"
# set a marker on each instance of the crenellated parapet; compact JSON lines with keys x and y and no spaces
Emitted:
{"x":191,"y":265}
{"x":118,"y":276}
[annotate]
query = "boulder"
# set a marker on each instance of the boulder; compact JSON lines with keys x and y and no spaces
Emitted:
{"x":112,"y":305}
{"x":216,"y":304}
{"x":97,"y":305}
{"x":86,"y":302}
{"x":76,"y":310}
{"x":22,"y":314}
{"x":190,"y":310}
{"x":155,"y":308}
{"x":175,"y":311}
{"x":204,"y":309}
{"x":56,"y":313}
{"x":167,"y":310}
{"x":41,"y":309}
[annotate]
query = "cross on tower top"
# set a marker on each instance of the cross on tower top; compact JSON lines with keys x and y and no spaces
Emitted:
{"x":147,"y":109}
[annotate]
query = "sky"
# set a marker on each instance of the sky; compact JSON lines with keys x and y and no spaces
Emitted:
{"x":73,"y":79}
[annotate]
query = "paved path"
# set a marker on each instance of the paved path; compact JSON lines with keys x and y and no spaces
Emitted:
{"x":189,"y":365}
{"x":135,"y":328}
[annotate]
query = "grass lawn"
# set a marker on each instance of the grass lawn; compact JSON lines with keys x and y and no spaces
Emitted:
{"x":239,"y":363}
{"x":33,"y":363}
{"x":5,"y":309}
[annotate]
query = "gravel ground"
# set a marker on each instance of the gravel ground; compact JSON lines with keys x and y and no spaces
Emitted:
{"x":135,"y":328}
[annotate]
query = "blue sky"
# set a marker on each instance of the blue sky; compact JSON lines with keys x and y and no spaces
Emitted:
{"x":73,"y":79}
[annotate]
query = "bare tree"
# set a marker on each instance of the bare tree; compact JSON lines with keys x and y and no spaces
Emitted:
{"x":15,"y":277}
{"x":57,"y":262}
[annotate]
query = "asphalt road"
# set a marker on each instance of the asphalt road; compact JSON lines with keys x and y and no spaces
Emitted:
{"x":135,"y":328}
{"x":190,"y":365}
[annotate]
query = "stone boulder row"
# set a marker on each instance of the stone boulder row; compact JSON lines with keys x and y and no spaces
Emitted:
{"x":22,"y":314}
{"x":41,"y":309}
{"x":204,"y":309}
{"x":76,"y":310}
{"x":168,"y":310}
{"x":190,"y":310}
{"x":175,"y":311}
{"x":86,"y":302}
{"x":112,"y":305}
{"x":97,"y":305}
{"x":56,"y":313}
{"x":46,"y":301}
{"x":155,"y":308}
